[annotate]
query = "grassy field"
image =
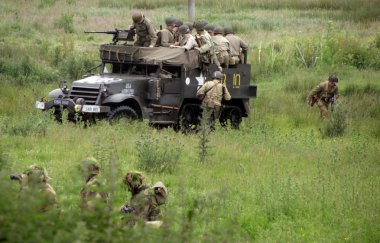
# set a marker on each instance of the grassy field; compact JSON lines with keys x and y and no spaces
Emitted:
{"x":285,"y":176}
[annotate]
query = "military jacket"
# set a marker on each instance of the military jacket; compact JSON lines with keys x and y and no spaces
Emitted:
{"x":221,"y":44}
{"x":235,"y":44}
{"x":188,"y":42}
{"x":324,"y":92}
{"x":165,"y":38}
{"x":145,"y":31}
{"x":93,"y":193}
{"x":146,"y":206}
{"x":212,"y":93}
{"x":207,"y":48}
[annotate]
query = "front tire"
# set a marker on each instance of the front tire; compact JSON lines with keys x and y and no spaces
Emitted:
{"x":122,"y":114}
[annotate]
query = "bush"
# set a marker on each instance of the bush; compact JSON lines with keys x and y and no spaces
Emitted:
{"x":337,"y":122}
{"x":158,"y":154}
{"x":65,"y":22}
{"x":29,"y":124}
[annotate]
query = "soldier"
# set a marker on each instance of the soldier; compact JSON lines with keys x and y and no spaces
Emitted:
{"x":147,"y":203}
{"x":135,"y":182}
{"x":237,"y":46}
{"x":190,"y":25}
{"x":210,"y":29}
{"x":145,"y":31}
{"x":212,"y":93}
{"x":324,"y":94}
{"x":94,"y":193}
{"x":205,"y":45}
{"x":222,"y":47}
{"x":177,"y":35}
{"x":34,"y":186}
{"x":188,"y":41}
{"x":166,"y":36}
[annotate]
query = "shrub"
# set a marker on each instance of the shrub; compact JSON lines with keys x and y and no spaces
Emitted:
{"x":29,"y":124}
{"x":158,"y":154}
{"x":65,"y":22}
{"x":337,"y":122}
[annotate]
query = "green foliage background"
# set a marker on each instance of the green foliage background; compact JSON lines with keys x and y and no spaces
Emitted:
{"x":284,"y":176}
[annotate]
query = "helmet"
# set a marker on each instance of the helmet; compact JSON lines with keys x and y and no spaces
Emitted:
{"x":134,"y":180}
{"x":190,"y":25}
{"x":36,"y":174}
{"x":178,"y":22}
{"x":200,"y":24}
{"x":333,"y":78}
{"x":219,"y":30}
{"x":163,"y":191}
{"x":228,"y":30}
{"x":218,"y":75}
{"x":210,"y":27}
{"x":137,"y":17}
{"x":90,"y":167}
{"x":170,"y":20}
{"x":184,"y":29}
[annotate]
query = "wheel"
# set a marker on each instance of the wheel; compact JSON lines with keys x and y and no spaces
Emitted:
{"x":231,"y":116}
{"x":189,"y":119}
{"x":235,"y":117}
{"x":122,"y":114}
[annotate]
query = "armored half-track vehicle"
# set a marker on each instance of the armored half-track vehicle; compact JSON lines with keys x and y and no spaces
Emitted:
{"x":155,"y":84}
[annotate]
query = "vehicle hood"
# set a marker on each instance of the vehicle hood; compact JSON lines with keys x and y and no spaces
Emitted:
{"x":108,"y":79}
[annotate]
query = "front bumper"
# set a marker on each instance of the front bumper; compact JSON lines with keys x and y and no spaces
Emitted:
{"x":71,"y":106}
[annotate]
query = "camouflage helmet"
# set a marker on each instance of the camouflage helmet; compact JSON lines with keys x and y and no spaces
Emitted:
{"x":219,"y":30}
{"x":178,"y":22}
{"x":333,"y":78}
{"x":134,"y":180}
{"x":137,"y":17}
{"x":90,"y":167}
{"x":228,"y":30}
{"x":183,"y":29}
{"x":218,"y":75}
{"x":209,"y":27}
{"x":170,"y":20}
{"x":160,"y":192}
{"x":36,"y":174}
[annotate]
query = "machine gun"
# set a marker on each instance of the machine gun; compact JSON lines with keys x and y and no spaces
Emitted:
{"x":118,"y":35}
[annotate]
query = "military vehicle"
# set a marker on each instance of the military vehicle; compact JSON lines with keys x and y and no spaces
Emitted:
{"x":156,"y":84}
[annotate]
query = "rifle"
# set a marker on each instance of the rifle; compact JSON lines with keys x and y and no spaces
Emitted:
{"x":333,"y":99}
{"x":118,"y":35}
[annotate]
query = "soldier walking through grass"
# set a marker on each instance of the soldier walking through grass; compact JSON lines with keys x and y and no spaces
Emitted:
{"x":212,"y":93}
{"x":324,"y":94}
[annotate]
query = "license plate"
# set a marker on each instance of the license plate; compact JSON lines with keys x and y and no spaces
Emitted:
{"x":40,"y":105}
{"x":91,"y":109}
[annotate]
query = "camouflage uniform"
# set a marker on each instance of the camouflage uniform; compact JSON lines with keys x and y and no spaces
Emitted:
{"x":94,"y":195}
{"x":33,"y":185}
{"x":324,"y":93}
{"x":146,"y":33}
{"x":146,"y":204}
{"x":135,"y":182}
{"x":212,"y":93}
{"x":236,"y":44}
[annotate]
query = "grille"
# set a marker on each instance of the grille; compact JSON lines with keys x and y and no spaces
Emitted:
{"x":90,"y":95}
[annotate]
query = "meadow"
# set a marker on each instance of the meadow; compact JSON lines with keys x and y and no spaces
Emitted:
{"x":284,"y":176}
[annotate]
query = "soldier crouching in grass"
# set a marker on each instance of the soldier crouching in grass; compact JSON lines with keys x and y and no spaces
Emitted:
{"x":145,"y":202}
{"x":324,"y":94}
{"x":34,"y":188}
{"x":94,"y":195}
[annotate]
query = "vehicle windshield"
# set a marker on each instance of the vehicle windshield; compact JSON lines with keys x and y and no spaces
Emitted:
{"x":128,"y":68}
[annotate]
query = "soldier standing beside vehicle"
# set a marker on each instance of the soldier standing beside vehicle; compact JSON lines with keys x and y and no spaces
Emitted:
{"x":187,"y":41}
{"x":166,"y":36}
{"x":145,"y":31}
{"x":237,"y":46}
{"x":222,"y":47}
{"x":324,"y":94}
{"x":205,"y":45}
{"x":35,"y":189}
{"x":212,"y":93}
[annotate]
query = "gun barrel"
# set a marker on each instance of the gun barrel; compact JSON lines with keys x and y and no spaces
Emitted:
{"x":15,"y":177}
